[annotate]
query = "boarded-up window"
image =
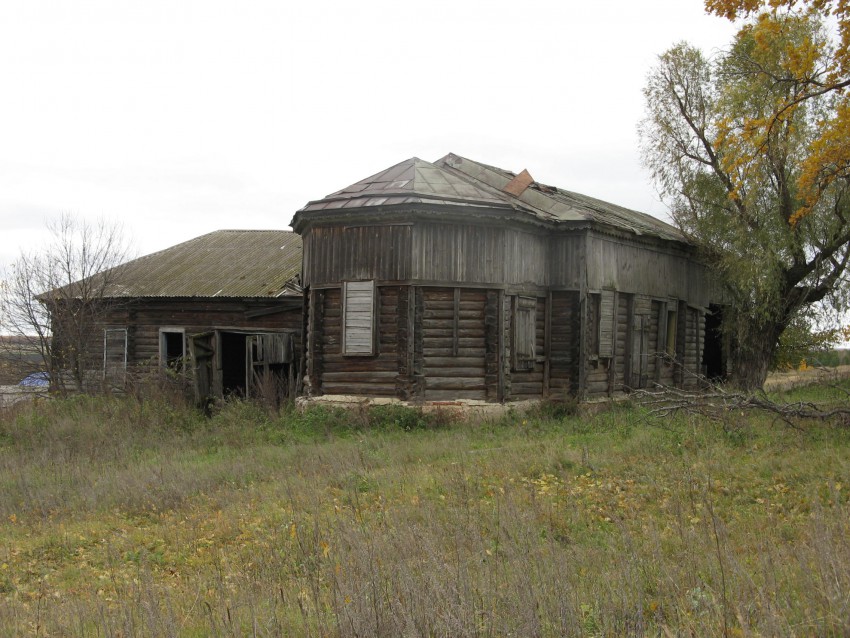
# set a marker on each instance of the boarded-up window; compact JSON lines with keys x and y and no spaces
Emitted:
{"x":607,"y":319}
{"x":358,"y":313}
{"x":115,"y":355}
{"x":525,"y":318}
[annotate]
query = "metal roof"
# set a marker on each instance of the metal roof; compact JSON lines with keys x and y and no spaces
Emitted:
{"x":563,"y":205}
{"x":413,"y":181}
{"x":457,"y":180}
{"x":224,"y":263}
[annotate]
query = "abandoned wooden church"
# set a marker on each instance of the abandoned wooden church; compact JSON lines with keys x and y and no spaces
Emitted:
{"x":426,"y":282}
{"x":457,"y":280}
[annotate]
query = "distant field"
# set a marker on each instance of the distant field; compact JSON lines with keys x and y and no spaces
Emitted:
{"x":128,"y":518}
{"x":17,"y":359}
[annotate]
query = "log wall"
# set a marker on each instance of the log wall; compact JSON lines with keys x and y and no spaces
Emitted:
{"x":454,"y":347}
{"x":528,"y":384}
{"x":144,"y":319}
{"x":564,"y":344}
{"x":374,"y":375}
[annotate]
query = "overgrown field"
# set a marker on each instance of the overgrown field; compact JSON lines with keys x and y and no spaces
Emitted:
{"x":122,"y":517}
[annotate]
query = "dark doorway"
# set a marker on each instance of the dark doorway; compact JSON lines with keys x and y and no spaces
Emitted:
{"x":713,"y":355}
{"x":233,"y":364}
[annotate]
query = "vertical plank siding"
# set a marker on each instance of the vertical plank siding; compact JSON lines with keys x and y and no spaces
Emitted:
{"x":655,"y":271}
{"x":338,"y":253}
{"x":478,"y":254}
{"x":567,"y":260}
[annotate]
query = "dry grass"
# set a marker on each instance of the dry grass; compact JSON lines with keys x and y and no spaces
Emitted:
{"x":133,"y":518}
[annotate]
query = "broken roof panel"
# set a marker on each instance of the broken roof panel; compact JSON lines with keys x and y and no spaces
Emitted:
{"x":224,"y":263}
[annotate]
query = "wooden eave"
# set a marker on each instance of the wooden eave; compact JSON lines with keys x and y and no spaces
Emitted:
{"x":399,"y":213}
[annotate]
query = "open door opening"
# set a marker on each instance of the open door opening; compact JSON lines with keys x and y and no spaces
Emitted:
{"x":713,"y":353}
{"x":243,"y":364}
{"x":233,"y":381}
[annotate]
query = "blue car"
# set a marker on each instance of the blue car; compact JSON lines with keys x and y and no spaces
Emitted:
{"x":36,"y":380}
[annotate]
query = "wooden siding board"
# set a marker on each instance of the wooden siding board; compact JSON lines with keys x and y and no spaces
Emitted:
{"x":567,"y":260}
{"x":479,"y":254}
{"x":337,"y":253}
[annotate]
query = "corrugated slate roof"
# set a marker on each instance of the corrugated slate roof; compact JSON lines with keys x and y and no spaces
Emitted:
{"x":457,"y":180}
{"x":224,"y":263}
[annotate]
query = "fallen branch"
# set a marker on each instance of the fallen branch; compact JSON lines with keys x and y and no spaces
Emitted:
{"x":718,"y":403}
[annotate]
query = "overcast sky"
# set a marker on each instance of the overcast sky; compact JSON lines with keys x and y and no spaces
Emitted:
{"x":178,"y":118}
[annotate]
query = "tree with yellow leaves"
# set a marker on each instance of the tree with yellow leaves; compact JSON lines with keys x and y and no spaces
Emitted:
{"x":751,"y":152}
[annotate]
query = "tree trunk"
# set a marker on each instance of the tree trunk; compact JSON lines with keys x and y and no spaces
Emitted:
{"x":752,"y":352}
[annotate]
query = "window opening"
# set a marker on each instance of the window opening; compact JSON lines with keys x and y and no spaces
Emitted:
{"x":172,"y":349}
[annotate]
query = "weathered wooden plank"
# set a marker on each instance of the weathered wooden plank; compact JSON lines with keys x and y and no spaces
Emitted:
{"x":366,"y":376}
{"x":365,"y":389}
{"x":456,"y":395}
{"x":473,"y":372}
{"x":594,"y":387}
{"x":336,"y":362}
{"x":455,"y":361}
{"x":471,"y":317}
{"x":453,"y":383}
{"x":526,"y":388}
{"x":448,"y":333}
{"x":447,"y":350}
{"x":447,"y":306}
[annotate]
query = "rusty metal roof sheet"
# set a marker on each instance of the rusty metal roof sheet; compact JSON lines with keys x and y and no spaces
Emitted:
{"x":224,"y":263}
{"x":457,"y":180}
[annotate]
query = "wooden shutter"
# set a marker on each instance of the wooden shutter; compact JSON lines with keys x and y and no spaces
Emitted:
{"x":607,"y":318}
{"x":525,"y":319}
{"x":358,"y":310}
